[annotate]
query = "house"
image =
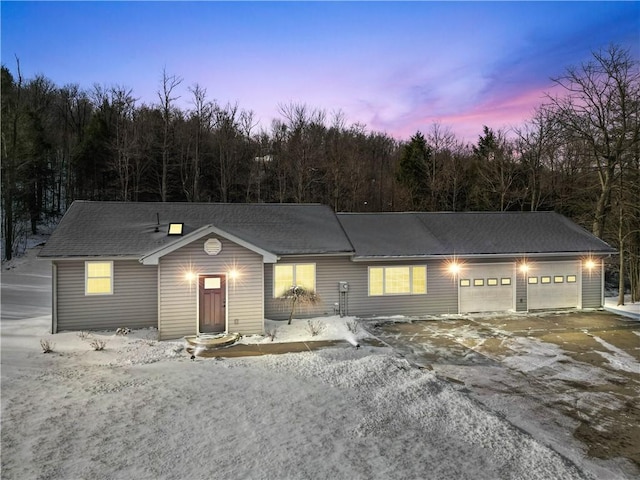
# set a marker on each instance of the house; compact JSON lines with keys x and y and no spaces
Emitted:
{"x":190,"y":268}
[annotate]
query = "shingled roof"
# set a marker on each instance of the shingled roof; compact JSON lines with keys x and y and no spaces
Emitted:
{"x":127,"y":229}
{"x":467,"y":233}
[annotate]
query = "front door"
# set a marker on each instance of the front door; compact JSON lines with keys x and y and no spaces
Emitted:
{"x":212,"y":303}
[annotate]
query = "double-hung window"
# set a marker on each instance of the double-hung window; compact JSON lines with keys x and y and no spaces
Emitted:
{"x":98,"y":278}
{"x":405,"y":280}
{"x":290,"y":275}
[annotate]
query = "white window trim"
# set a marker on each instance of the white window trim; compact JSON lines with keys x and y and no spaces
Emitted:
{"x":410,"y":267}
{"x":315,"y":274}
{"x":86,"y":277}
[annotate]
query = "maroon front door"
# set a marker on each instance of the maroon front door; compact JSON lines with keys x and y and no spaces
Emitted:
{"x":212,"y":303}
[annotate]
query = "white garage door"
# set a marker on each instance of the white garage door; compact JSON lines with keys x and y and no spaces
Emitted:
{"x":553,"y":285}
{"x":486,"y":288}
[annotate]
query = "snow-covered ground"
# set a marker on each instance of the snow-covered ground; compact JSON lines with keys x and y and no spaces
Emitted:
{"x":142,"y":409}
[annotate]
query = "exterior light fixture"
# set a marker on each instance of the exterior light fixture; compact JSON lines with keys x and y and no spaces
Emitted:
{"x":189,"y":276}
{"x":233,"y":274}
{"x":524,"y":268}
{"x":590,"y":264}
{"x":454,"y":268}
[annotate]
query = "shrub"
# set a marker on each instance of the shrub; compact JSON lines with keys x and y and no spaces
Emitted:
{"x":315,"y":327}
{"x":271,"y":333}
{"x":299,"y":296}
{"x":46,"y":345}
{"x":122,"y":331}
{"x":83,"y":335}
{"x":353,"y":326}
{"x":98,"y":344}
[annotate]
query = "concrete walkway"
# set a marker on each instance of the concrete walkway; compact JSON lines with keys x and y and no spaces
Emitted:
{"x":257,"y":349}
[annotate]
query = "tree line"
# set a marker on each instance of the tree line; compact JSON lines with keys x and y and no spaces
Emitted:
{"x":578,"y":154}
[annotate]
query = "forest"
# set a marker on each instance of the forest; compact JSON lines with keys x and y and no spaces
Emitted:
{"x":578,"y":155}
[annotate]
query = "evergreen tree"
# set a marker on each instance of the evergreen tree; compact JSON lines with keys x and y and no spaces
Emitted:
{"x":412,"y":170}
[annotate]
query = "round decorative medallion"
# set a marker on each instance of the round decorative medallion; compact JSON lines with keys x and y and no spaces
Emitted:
{"x":212,"y":246}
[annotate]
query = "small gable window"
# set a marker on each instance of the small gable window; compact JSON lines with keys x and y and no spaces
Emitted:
{"x":98,"y":278}
{"x":175,"y":228}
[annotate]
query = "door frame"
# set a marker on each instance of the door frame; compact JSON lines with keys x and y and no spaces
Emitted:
{"x":226,"y":300}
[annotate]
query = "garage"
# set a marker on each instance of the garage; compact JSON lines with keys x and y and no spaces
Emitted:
{"x":553,"y":285}
{"x":486,"y":288}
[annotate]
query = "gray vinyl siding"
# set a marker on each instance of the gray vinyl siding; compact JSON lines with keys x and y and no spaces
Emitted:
{"x":133,"y":304}
{"x":592,"y":286}
{"x":441,"y":296}
{"x":521,"y":292}
{"x":179,"y":299}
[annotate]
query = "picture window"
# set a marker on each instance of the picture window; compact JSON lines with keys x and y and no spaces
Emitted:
{"x":286,"y":276}
{"x":405,"y":280}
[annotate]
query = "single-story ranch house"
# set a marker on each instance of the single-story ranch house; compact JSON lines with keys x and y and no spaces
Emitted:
{"x":190,"y":268}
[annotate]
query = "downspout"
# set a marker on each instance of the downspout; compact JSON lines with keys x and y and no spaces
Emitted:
{"x":54,"y":297}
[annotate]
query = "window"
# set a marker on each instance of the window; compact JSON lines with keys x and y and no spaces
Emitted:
{"x":533,"y":280}
{"x":211,"y":283}
{"x":545,"y":279}
{"x":397,"y":280}
{"x":492,"y":282}
{"x":478,"y":282}
{"x":505,"y":281}
{"x":419,"y":280}
{"x":294,"y":274}
{"x":465,"y":282}
{"x":175,"y":228}
{"x":558,"y":279}
{"x":571,"y":279}
{"x":98,"y":278}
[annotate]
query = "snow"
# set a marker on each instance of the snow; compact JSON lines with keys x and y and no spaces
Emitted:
{"x":341,"y":412}
{"x":332,"y":328}
{"x":617,"y":358}
{"x":142,"y":409}
{"x":631,"y":310}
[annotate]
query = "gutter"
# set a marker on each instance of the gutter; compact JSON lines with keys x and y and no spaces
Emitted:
{"x":386,"y":258}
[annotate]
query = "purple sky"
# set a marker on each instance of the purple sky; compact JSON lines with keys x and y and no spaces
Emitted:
{"x":393,"y":66}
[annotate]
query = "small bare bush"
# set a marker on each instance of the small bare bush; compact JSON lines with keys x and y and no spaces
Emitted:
{"x":46,"y":345}
{"x":315,"y":327}
{"x":83,"y":335}
{"x":272,"y":333}
{"x":97,"y":344}
{"x":353,"y":326}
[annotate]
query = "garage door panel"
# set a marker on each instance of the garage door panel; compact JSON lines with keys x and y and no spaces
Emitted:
{"x":486,"y":288}
{"x":553,"y":285}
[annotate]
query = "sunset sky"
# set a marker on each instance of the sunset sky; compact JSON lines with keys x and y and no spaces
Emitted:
{"x":395,"y":67}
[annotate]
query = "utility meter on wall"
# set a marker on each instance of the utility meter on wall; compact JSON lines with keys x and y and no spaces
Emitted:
{"x":344,"y":287}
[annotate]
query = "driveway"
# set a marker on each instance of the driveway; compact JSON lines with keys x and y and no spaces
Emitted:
{"x":563,"y":377}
